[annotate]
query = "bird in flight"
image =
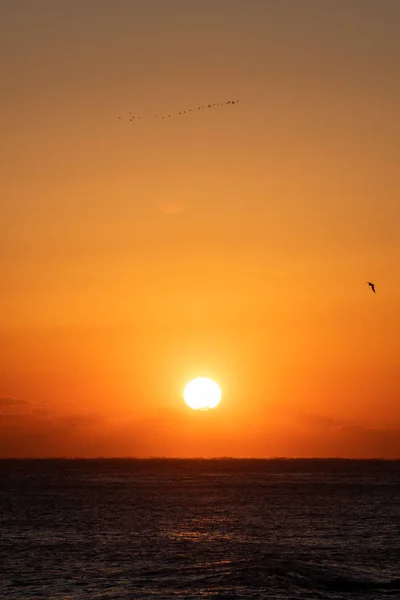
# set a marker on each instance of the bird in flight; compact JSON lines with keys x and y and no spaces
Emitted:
{"x":372,"y":286}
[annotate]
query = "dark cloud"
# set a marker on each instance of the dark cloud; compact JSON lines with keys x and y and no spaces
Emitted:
{"x":14,"y":405}
{"x":321,"y":421}
{"x":6,"y":402}
{"x":345,"y":438}
{"x":46,"y":434}
{"x":41,"y":433}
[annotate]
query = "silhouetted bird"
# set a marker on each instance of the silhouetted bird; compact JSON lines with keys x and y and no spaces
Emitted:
{"x":372,"y":286}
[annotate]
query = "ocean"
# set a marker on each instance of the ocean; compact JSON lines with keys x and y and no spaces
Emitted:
{"x":183,"y":529}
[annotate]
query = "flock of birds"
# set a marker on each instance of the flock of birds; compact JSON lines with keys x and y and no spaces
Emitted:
{"x":132,"y":117}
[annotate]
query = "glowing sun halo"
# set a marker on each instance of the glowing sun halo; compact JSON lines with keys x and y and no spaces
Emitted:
{"x":202,"y":393}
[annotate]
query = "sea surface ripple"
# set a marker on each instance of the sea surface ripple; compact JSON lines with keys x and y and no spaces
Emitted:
{"x":183,"y":529}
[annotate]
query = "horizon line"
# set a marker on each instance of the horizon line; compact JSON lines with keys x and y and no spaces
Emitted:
{"x":205,"y":458}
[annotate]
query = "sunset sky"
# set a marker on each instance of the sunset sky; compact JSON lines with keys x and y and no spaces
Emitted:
{"x":233,"y":242}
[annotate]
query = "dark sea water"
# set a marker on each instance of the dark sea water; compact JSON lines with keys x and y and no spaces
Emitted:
{"x":80,"y":529}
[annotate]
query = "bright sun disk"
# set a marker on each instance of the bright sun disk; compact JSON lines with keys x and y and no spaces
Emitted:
{"x":202,"y":393}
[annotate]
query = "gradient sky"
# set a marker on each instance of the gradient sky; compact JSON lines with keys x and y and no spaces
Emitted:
{"x":233,"y":243}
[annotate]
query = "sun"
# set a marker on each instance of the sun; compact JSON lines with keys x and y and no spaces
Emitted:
{"x":202,"y":393}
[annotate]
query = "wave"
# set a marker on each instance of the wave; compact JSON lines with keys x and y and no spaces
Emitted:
{"x":301,"y":574}
{"x":269,"y":574}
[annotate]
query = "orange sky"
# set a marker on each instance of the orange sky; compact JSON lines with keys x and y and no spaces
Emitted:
{"x":233,"y":243}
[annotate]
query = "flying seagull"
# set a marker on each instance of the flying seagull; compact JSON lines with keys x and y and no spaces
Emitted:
{"x":372,"y":286}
